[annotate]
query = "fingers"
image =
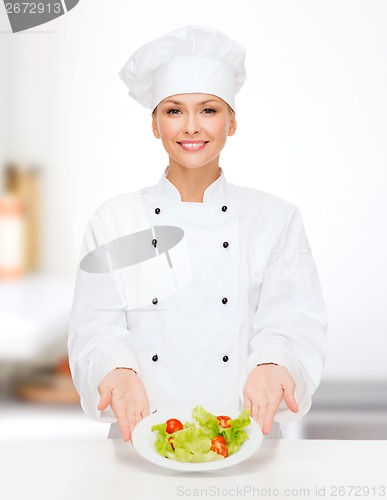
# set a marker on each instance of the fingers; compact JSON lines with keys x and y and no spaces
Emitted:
{"x":260,"y":412}
{"x":264,"y":414}
{"x":144,"y":413}
{"x":125,"y":413}
{"x":126,"y":395}
{"x":104,"y":401}
{"x":126,"y":426}
{"x":132,"y":417}
{"x":272,"y":408}
{"x":290,"y":400}
{"x":139,"y":414}
{"x":263,"y":393}
{"x":247,"y":404}
{"x":142,"y":406}
{"x":270,"y":413}
{"x":267,"y":411}
{"x":134,"y":414}
{"x":129,"y":412}
{"x":255,"y":405}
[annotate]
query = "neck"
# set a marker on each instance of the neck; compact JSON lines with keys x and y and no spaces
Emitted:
{"x":192,"y":183}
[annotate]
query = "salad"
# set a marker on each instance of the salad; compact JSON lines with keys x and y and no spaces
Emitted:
{"x":207,"y":438}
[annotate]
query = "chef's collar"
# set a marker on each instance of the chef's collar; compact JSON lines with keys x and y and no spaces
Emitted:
{"x":213,"y":193}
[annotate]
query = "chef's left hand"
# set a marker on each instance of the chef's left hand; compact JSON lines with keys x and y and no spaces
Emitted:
{"x":264,"y":389}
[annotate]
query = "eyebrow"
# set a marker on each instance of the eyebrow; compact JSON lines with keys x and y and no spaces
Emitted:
{"x":178,"y":103}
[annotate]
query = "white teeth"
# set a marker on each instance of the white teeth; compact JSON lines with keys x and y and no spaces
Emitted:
{"x":193,"y":145}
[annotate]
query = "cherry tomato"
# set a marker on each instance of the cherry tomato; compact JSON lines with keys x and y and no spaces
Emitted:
{"x":173,"y":425}
{"x":219,"y":447}
{"x":223,"y":421}
{"x":219,"y":439}
{"x":170,"y":441}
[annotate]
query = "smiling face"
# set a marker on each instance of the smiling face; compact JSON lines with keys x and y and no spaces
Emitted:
{"x":193,"y":128}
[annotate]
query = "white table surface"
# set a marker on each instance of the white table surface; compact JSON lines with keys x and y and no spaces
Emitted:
{"x":112,"y":470}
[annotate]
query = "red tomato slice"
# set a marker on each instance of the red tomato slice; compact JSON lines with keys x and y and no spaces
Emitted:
{"x":219,"y":439}
{"x":173,"y":425}
{"x":219,"y":447}
{"x":223,"y":421}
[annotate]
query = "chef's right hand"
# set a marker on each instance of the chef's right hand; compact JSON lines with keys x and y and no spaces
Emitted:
{"x":124,"y":391}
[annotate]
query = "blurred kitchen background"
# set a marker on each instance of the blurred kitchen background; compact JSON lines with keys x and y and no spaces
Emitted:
{"x":311,"y":129}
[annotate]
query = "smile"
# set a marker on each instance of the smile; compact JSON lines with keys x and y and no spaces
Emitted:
{"x":192,"y":146}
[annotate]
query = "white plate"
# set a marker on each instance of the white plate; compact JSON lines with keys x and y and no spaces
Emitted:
{"x":143,"y":441}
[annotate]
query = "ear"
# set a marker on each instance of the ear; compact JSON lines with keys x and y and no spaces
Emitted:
{"x":232,"y":127}
{"x":155,"y":129}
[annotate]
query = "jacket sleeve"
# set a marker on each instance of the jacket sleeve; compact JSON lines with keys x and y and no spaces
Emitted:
{"x":99,"y":339}
{"x":289,"y":326}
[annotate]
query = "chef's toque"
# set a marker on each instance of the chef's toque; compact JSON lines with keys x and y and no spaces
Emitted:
{"x":192,"y":59}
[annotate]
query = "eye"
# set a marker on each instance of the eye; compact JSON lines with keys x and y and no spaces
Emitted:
{"x":210,"y":110}
{"x":171,"y":111}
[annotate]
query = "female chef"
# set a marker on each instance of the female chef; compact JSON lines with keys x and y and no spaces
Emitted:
{"x":194,"y":290}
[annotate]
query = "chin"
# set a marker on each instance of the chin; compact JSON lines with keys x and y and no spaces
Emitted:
{"x":193,"y":164}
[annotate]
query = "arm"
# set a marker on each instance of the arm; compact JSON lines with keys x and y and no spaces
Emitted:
{"x":99,"y":339}
{"x":289,"y":327}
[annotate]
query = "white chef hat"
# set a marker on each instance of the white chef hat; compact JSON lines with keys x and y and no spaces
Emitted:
{"x":195,"y":58}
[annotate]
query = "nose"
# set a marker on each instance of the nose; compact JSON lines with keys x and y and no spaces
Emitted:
{"x":191,"y":125}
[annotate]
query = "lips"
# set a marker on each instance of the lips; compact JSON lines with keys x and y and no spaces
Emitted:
{"x":192,"y":145}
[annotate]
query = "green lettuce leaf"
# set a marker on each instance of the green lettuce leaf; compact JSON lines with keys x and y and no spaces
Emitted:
{"x":193,"y":442}
{"x":206,"y":420}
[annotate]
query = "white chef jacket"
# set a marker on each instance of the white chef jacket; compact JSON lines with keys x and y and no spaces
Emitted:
{"x":239,"y":289}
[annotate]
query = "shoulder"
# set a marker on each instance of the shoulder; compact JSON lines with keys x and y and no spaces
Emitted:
{"x":120,"y":215}
{"x":255,"y":200}
{"x":269,"y":216}
{"x":119,"y":204}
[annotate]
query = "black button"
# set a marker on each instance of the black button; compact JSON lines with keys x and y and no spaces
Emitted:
{"x":225,"y":359}
{"x":154,"y":243}
{"x":224,"y":300}
{"x":225,"y":244}
{"x":157,"y":211}
{"x":154,"y":301}
{"x":224,"y":208}
{"x":155,"y":358}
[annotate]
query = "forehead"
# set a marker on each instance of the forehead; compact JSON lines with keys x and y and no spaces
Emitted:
{"x":194,"y":98}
